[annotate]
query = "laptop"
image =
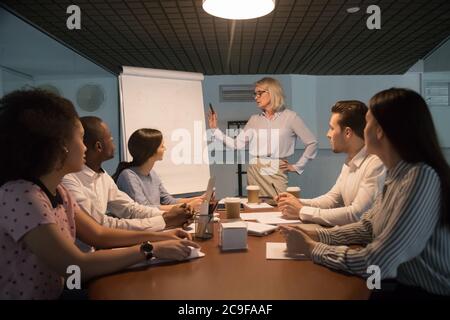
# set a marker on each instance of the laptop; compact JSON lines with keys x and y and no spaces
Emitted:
{"x":209,"y":196}
{"x":210,"y":188}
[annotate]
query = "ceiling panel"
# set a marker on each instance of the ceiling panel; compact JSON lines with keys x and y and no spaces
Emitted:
{"x":298,"y":37}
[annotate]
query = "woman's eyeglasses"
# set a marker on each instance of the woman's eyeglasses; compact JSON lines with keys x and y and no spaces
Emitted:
{"x":259,"y":93}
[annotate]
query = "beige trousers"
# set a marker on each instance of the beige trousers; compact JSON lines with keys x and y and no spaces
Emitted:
{"x":264,"y":172}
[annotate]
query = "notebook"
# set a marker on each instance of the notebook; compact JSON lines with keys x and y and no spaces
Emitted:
{"x":259,"y":229}
{"x":258,"y":215}
{"x":274,"y":217}
{"x":261,"y":205}
{"x":276,"y":220}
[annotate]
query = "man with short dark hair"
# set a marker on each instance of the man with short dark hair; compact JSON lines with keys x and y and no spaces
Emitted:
{"x":96,"y":192}
{"x":359,"y":182}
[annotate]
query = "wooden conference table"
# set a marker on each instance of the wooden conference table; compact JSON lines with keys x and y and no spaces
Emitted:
{"x":231,"y":276}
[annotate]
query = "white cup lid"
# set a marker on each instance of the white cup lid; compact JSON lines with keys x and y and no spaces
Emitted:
{"x":232,"y":200}
{"x":293,"y":189}
{"x":252,"y":187}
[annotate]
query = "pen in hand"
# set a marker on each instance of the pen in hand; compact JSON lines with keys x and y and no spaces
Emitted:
{"x":212,"y":117}
{"x":211,"y":108}
{"x":276,"y":191}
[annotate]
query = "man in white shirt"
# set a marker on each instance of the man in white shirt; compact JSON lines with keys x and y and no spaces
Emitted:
{"x":360,"y":180}
{"x":96,"y":192}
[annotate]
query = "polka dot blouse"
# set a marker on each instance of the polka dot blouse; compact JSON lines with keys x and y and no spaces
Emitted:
{"x":26,"y":205}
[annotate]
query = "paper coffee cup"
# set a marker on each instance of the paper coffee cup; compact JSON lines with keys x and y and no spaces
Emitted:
{"x":295,"y":191}
{"x":253,"y":194}
{"x":232,"y":208}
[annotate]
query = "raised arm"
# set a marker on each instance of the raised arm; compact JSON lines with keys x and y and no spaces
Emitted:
{"x":239,"y":142}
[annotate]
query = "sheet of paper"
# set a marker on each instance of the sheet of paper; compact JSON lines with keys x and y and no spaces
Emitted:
{"x":261,"y":205}
{"x":259,"y":229}
{"x":257,"y":215}
{"x":276,"y":220}
{"x":277,"y":251}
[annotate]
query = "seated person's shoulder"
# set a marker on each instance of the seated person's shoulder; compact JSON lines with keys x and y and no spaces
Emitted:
{"x":128,"y":179}
{"x":23,"y":187}
{"x":154,"y":174}
{"x":418,"y":173}
{"x":422,"y":169}
{"x":23,"y":195}
{"x":64,"y":191}
{"x":126,"y":174}
{"x":25,"y":206}
{"x":71,"y":177}
{"x":374,"y":160}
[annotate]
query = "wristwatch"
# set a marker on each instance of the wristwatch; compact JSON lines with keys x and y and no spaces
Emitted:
{"x":147,"y":250}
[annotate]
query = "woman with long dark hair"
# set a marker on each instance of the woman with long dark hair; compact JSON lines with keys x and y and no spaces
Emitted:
{"x":42,"y":140}
{"x":137,"y":177}
{"x":407,"y":232}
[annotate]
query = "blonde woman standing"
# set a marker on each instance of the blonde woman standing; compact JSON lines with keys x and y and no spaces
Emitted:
{"x":271,"y":136}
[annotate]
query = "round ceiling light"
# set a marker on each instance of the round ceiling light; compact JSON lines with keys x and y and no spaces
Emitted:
{"x":238,"y":9}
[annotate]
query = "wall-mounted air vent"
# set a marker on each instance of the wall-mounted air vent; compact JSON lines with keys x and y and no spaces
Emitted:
{"x":437,"y":93}
{"x":236,"y":93}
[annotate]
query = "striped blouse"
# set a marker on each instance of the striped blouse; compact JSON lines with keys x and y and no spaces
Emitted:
{"x":402,"y":233}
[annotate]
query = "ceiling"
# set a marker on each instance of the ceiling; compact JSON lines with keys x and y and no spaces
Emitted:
{"x":299,"y":37}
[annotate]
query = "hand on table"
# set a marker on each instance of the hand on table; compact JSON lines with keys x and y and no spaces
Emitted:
{"x":297,"y":241}
{"x":289,"y":206}
{"x":173,"y":249}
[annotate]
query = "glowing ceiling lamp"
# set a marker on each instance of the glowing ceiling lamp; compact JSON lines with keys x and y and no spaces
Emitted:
{"x":238,"y":9}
